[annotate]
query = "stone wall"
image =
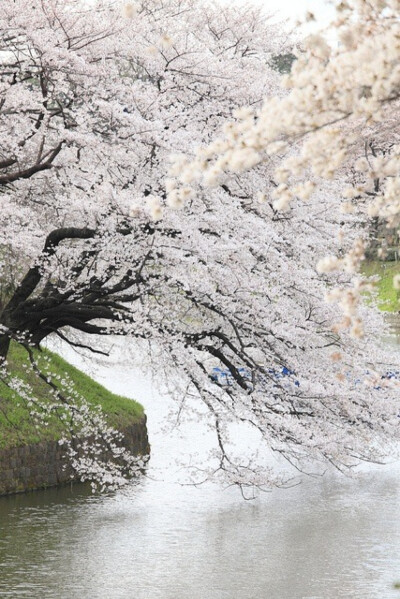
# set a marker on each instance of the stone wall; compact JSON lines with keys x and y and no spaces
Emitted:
{"x":29,"y":467}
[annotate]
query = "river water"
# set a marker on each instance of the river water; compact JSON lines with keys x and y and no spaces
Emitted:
{"x":327,"y":538}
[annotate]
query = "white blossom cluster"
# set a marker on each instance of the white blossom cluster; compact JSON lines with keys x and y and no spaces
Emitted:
{"x":341,"y":94}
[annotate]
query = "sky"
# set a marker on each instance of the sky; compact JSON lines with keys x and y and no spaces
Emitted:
{"x":295,"y":9}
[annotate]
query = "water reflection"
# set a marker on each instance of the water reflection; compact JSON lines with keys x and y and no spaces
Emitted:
{"x":326,"y":538}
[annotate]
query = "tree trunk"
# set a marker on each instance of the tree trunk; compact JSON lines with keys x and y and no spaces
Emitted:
{"x":4,"y":347}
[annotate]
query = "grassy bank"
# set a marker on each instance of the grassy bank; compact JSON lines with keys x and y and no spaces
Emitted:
{"x":16,"y":423}
{"x":388,"y":298}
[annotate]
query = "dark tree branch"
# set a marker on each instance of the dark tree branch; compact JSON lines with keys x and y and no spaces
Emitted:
{"x":32,"y":170}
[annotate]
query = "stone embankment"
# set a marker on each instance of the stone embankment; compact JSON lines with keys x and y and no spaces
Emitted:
{"x":41,"y":465}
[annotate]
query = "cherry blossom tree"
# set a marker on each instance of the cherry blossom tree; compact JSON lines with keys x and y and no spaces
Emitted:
{"x":223,"y":294}
{"x":341,"y":105}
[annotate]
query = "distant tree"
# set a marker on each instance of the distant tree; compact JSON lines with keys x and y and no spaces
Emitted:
{"x":283,"y":62}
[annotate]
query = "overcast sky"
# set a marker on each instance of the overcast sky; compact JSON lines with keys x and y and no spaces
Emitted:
{"x":297,"y":8}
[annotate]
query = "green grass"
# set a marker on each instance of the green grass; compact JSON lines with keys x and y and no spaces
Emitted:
{"x":388,"y":299}
{"x":17,"y":427}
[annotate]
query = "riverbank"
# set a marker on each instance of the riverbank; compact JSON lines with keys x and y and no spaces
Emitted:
{"x":388,"y":299}
{"x":30,"y":455}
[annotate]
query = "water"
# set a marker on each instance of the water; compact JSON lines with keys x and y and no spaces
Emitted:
{"x":326,"y":538}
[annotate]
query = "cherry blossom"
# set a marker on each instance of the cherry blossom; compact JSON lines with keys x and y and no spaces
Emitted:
{"x":94,"y":99}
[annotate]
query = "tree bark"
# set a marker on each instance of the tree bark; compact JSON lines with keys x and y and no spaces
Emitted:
{"x":4,"y":347}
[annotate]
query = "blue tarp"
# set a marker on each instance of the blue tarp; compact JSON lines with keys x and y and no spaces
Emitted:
{"x":224,"y":377}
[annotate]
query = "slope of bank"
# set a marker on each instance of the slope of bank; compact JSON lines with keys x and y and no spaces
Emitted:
{"x":388,"y":299}
{"x":30,"y":455}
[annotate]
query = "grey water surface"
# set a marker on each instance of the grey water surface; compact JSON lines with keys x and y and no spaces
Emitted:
{"x":327,"y":538}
